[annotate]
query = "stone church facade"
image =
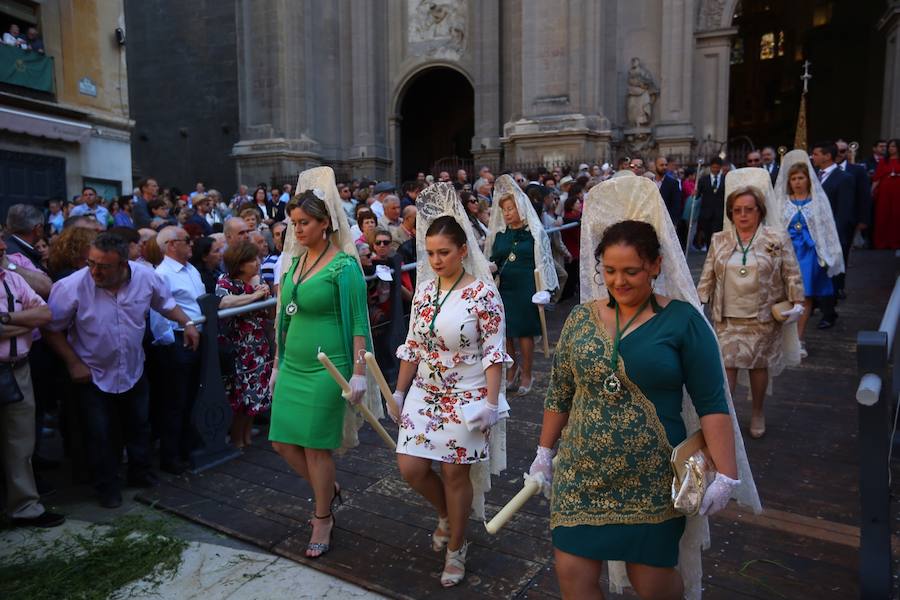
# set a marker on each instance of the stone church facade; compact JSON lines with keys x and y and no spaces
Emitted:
{"x":324,"y":81}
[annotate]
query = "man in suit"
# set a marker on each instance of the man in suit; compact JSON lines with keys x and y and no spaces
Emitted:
{"x":754,"y":159}
{"x":841,"y":190}
{"x":768,"y":162}
{"x":863,"y":187}
{"x":671,"y":194}
{"x":711,"y":191}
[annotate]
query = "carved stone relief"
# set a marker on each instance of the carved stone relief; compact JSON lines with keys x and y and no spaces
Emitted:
{"x":642,"y":94}
{"x":437,"y":28}
{"x":710,"y":15}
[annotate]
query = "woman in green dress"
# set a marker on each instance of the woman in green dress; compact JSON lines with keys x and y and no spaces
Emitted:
{"x":322,"y":307}
{"x":519,"y":247}
{"x":614,"y":403}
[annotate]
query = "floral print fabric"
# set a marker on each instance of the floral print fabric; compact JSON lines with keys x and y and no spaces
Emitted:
{"x":468,"y":337}
{"x":248,"y":389}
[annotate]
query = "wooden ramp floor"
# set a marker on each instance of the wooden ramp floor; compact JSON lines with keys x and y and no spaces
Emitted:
{"x":806,"y":468}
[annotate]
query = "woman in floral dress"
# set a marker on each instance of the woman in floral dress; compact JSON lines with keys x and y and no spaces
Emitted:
{"x":453,"y":355}
{"x":247,"y":385}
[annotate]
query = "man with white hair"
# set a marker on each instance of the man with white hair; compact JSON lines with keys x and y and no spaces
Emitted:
{"x":391,"y":219}
{"x":179,"y":364}
{"x":406,"y":230}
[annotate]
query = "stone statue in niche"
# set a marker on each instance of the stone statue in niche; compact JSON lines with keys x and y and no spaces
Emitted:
{"x":437,"y":28}
{"x":642,"y":94}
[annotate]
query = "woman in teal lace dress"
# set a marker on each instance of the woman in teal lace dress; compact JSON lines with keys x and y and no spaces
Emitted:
{"x":614,"y":404}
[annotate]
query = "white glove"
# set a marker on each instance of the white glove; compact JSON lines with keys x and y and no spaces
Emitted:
{"x":542,"y":468}
{"x":357,"y":389}
{"x":793,"y":314}
{"x":395,"y":408}
{"x":493,"y":267}
{"x":541,"y":298}
{"x":487,"y":417}
{"x":718,"y":494}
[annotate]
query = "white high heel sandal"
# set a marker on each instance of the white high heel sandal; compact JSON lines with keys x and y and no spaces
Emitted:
{"x":455,"y":560}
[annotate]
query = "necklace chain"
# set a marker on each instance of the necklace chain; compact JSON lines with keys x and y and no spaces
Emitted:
{"x":438,"y":303}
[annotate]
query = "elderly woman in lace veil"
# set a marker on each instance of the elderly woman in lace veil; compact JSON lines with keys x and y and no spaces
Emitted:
{"x":751,"y":268}
{"x":519,"y":247}
{"x":453,"y":356}
{"x":616,"y":403}
{"x":807,"y":215}
{"x":321,"y":307}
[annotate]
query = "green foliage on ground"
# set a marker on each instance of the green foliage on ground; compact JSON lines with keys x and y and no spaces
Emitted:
{"x":92,"y":565}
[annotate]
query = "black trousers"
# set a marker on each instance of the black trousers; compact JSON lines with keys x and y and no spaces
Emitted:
{"x":102,"y":413}
{"x":179,"y":370}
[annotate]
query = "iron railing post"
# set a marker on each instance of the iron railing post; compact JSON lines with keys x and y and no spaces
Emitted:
{"x":875,"y":406}
{"x":212,"y":414}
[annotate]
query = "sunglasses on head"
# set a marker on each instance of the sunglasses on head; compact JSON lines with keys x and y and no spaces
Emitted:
{"x":472,"y":201}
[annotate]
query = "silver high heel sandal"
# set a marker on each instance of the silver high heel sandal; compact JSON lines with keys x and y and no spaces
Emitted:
{"x":438,"y":542}
{"x":511,"y":384}
{"x":455,"y":560}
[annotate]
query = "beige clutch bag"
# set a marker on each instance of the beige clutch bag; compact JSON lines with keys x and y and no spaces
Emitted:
{"x":694,"y":471}
{"x":779,"y":308}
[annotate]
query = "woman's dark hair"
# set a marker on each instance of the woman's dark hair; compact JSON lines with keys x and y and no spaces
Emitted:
{"x":312,"y":205}
{"x":258,"y":189}
{"x":448,"y":226}
{"x":155,"y":203}
{"x":124,"y":202}
{"x":574,"y":193}
{"x":637,"y":234}
{"x":200,"y":250}
{"x":238,"y":255}
{"x":895,"y":142}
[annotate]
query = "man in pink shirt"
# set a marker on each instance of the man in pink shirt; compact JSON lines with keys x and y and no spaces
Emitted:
{"x":22,"y":311}
{"x":103,"y":308}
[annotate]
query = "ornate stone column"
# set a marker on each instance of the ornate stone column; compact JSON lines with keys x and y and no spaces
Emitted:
{"x":274,"y":100}
{"x":674,"y":129}
{"x":559,"y":85}
{"x":711,"y":72}
{"x":369,"y":154}
{"x":486,"y":33}
{"x":889,"y":26}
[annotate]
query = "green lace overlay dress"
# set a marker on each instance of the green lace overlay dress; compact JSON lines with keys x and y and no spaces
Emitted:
{"x":611,"y":486}
{"x":307,"y":406}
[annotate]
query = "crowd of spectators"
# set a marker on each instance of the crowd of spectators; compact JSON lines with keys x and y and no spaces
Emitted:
{"x":101,"y":301}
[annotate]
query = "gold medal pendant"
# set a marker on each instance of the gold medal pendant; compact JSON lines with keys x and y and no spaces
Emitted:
{"x":612,"y":385}
{"x":291,"y":309}
{"x":512,"y":257}
{"x":743,"y":271}
{"x":798,"y":226}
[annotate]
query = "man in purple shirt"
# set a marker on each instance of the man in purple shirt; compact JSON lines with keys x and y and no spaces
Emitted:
{"x":103,"y":308}
{"x":22,"y":310}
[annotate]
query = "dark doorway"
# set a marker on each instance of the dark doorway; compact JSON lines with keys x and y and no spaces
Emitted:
{"x":437,"y":113}
{"x":30,"y":179}
{"x":847,"y":54}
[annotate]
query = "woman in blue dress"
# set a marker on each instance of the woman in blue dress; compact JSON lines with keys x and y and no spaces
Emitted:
{"x":813,"y":233}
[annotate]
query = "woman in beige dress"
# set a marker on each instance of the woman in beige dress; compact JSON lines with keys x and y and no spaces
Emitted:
{"x":750,"y":268}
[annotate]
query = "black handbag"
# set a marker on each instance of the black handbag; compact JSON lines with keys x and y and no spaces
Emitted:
{"x":10,"y":393}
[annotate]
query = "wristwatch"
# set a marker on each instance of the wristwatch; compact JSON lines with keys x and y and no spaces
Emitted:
{"x":5,"y":318}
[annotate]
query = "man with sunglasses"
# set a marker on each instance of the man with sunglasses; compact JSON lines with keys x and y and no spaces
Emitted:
{"x":180,"y":364}
{"x":99,"y":315}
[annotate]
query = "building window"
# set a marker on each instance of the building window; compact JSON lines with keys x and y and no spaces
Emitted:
{"x":737,"y":51}
{"x":767,"y":46}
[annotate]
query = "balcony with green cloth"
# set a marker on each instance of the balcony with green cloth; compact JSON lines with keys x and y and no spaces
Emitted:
{"x":26,"y":69}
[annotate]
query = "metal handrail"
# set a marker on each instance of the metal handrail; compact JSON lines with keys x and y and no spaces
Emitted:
{"x":891,"y":316}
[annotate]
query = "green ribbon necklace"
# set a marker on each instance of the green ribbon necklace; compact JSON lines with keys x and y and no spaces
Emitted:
{"x":611,"y":384}
{"x":438,"y":303}
{"x":743,"y":270}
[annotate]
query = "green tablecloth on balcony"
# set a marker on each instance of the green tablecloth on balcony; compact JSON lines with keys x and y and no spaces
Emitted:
{"x":27,"y":69}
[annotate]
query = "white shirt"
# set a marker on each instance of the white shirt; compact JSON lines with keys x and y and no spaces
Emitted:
{"x":378,"y":208}
{"x":826,"y":172}
{"x":186,"y":286}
